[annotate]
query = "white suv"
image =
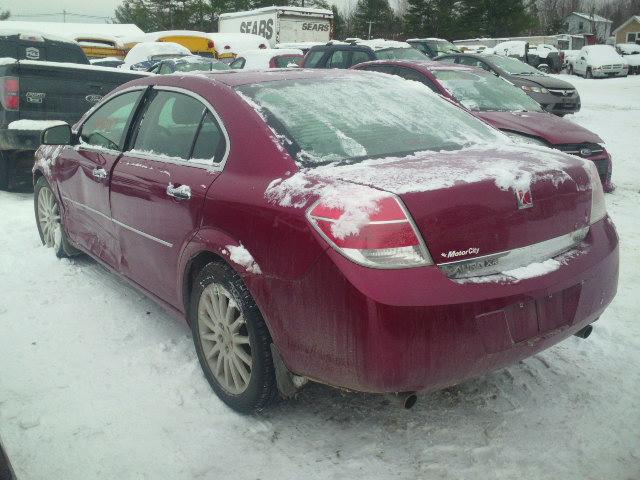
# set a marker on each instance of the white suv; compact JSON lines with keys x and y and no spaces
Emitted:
{"x":599,"y":61}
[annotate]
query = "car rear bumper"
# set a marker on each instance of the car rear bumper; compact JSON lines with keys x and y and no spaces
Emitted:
{"x":416,"y":329}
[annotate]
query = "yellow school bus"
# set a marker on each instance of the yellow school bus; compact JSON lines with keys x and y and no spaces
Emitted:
{"x":98,"y":46}
{"x":217,"y":45}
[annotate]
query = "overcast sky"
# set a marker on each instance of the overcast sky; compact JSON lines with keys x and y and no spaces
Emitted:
{"x":41,"y":10}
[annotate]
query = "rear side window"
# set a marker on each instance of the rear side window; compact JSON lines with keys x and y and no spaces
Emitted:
{"x":381,"y":68}
{"x":210,"y":141}
{"x":169,"y":125}
{"x":164,"y":68}
{"x":313,"y":58}
{"x":338,"y":59}
{"x":107,"y":126}
{"x":411,"y":74}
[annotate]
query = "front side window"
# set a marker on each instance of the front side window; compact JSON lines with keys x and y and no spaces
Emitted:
{"x":107,"y":126}
{"x":485,"y":92}
{"x":169,"y":125}
{"x":353,"y":117}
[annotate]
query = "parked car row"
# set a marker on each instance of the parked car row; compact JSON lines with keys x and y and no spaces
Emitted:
{"x":382,"y":243}
{"x":504,"y":106}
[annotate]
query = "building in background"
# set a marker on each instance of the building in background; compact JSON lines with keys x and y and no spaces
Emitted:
{"x":595,"y":28}
{"x":629,"y":31}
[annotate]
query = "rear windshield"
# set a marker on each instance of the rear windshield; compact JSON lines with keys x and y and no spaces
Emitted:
{"x":485,"y":92}
{"x":284,"y":61}
{"x":514,"y":66}
{"x":443,"y":47}
{"x":200,"y":66}
{"x":408,"y":53}
{"x":365,"y":115}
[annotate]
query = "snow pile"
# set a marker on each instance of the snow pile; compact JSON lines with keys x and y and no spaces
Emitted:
{"x":34,"y":124}
{"x":240,"y":255}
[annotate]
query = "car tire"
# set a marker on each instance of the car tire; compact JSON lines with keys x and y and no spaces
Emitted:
{"x":588,"y":74}
{"x":49,"y":221}
{"x":231,"y":339}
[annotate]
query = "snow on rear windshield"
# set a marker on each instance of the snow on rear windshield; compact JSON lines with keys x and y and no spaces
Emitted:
{"x":401,"y":53}
{"x":485,"y":92}
{"x":364,"y":115}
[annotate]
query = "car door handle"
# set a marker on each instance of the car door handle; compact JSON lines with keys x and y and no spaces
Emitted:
{"x":182,"y":192}
{"x":99,"y":173}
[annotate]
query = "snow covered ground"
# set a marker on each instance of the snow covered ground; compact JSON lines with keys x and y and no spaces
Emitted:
{"x":98,"y":382}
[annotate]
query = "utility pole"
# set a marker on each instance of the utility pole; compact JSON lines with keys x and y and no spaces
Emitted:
{"x":64,"y":16}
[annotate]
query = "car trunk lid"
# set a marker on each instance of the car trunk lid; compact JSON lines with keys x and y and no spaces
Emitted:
{"x":482,"y":201}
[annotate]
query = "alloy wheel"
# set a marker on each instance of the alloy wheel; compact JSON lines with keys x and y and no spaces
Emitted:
{"x":48,"y":216}
{"x":224,"y":339}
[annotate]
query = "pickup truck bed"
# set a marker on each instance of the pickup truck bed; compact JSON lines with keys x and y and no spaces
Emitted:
{"x":45,"y":91}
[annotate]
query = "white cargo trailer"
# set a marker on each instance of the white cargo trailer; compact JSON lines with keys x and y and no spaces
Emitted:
{"x":280,"y":24}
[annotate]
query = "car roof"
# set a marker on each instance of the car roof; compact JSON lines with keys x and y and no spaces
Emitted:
{"x":426,"y":64}
{"x":233,"y":78}
{"x":341,"y":46}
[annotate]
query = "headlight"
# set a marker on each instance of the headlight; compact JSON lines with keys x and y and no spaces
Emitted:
{"x":598,"y":205}
{"x":529,"y":88}
{"x":518,"y":138}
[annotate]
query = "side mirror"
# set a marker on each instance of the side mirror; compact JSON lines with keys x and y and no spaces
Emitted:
{"x":56,"y":135}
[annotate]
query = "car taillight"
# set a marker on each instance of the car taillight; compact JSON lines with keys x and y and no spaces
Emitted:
{"x":381,"y":236}
{"x":210,"y":44}
{"x":10,"y":93}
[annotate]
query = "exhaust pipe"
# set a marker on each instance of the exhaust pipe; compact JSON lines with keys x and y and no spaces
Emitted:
{"x":584,"y":332}
{"x":408,"y":399}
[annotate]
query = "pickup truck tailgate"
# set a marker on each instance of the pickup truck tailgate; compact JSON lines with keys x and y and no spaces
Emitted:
{"x":58,"y":91}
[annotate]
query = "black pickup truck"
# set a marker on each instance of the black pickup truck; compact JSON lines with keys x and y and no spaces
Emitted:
{"x":43,"y":80}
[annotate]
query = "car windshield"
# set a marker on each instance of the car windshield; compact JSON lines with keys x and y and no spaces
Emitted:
{"x":485,"y":92}
{"x":355,"y":117}
{"x":514,"y":66}
{"x":443,"y":47}
{"x":400,"y":53}
{"x":200,"y":66}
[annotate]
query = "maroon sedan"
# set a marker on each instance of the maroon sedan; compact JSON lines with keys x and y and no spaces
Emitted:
{"x":310,"y":226}
{"x":499,"y":103}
